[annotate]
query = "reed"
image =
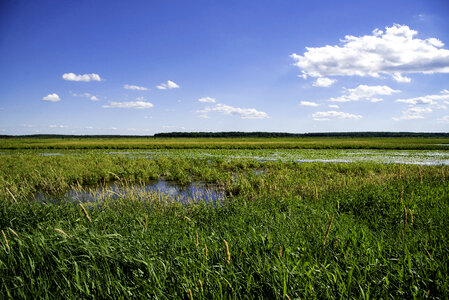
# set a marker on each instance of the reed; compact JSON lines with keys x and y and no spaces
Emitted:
{"x":63,"y":233}
{"x":85,"y":213}
{"x":228,"y":254}
{"x":328,"y":229}
{"x":6,"y":240}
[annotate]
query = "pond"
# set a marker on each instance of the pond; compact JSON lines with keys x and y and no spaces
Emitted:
{"x":161,"y":190}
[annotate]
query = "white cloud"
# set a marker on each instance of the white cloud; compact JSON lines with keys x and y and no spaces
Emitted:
{"x":394,"y":52}
{"x":130,"y":104}
{"x":333,"y":106}
{"x":413,"y":113}
{"x":244,"y":113}
{"x":207,"y":100}
{"x":141,"y":99}
{"x":365,"y":92}
{"x":83,"y":77}
{"x":167,"y":85}
{"x":134,"y":87}
{"x":328,"y":115}
{"x":52,"y":98}
{"x":57,"y":126}
{"x":309,"y":103}
{"x":399,"y":78}
{"x":428,"y":99}
{"x":86,"y":95}
{"x":324,"y":82}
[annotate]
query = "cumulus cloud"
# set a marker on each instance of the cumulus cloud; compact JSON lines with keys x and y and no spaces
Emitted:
{"x":413,"y":113}
{"x":333,"y":106}
{"x":167,"y":85}
{"x":394,"y":52}
{"x":52,"y":98}
{"x":365,"y":92}
{"x":207,"y":100}
{"x":244,"y":113}
{"x":130,"y":104}
{"x":427,"y":99}
{"x":324,"y":82}
{"x":81,"y":77}
{"x":328,"y":115}
{"x":309,"y":103}
{"x":134,"y":87}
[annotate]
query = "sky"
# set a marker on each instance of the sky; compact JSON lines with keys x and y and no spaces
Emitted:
{"x":92,"y":67}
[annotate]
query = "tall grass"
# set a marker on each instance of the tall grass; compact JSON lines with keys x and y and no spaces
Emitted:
{"x":295,"y":230}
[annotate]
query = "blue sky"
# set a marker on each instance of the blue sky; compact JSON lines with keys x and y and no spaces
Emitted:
{"x":142,"y":67}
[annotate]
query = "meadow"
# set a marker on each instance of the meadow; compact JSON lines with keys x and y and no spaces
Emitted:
{"x":286,"y":228}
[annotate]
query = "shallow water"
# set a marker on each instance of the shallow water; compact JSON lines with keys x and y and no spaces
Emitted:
{"x":420,"y":157}
{"x":158,"y":190}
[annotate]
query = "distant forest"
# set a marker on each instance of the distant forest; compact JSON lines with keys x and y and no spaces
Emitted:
{"x":233,"y":134}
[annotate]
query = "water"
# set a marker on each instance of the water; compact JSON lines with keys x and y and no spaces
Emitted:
{"x":161,"y":190}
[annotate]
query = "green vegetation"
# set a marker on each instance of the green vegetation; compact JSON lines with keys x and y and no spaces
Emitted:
{"x":410,"y":143}
{"x":286,"y":229}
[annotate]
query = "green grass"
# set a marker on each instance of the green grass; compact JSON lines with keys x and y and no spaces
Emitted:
{"x":274,"y":222}
{"x":225,"y":143}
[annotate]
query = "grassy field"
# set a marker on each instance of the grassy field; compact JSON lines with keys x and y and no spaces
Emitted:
{"x":226,"y":143}
{"x":285,"y":230}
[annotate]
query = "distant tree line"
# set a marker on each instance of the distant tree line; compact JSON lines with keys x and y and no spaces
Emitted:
{"x":232,"y":134}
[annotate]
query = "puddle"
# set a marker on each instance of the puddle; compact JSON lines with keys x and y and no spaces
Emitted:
{"x":50,"y":154}
{"x":158,"y":190}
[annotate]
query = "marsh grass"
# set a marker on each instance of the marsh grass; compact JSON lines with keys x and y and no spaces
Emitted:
{"x":296,"y":230}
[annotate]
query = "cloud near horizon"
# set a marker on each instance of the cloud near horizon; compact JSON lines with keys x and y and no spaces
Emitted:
{"x":394,"y":52}
{"x":167,"y":85}
{"x":81,"y":77}
{"x":365,"y":92}
{"x":130,"y":104}
{"x":243,"y":113}
{"x":51,"y":98}
{"x":328,"y":115}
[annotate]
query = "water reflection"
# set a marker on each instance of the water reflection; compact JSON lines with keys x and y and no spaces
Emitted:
{"x":161,"y":190}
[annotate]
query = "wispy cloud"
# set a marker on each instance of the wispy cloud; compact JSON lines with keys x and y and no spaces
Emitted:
{"x":167,"y":85}
{"x":51,"y":98}
{"x":324,"y":82}
{"x":333,"y":106}
{"x":86,"y":95}
{"x":328,"y":115}
{"x":57,"y":126}
{"x":134,"y":87}
{"x":427,"y":99}
{"x":394,"y":52}
{"x":244,"y":113}
{"x":365,"y":92}
{"x":309,"y":103}
{"x":81,"y":77}
{"x":413,"y":113}
{"x":130,"y":104}
{"x":207,"y":100}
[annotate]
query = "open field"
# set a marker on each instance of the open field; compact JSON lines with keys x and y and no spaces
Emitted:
{"x":284,"y":228}
{"x":227,"y":143}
